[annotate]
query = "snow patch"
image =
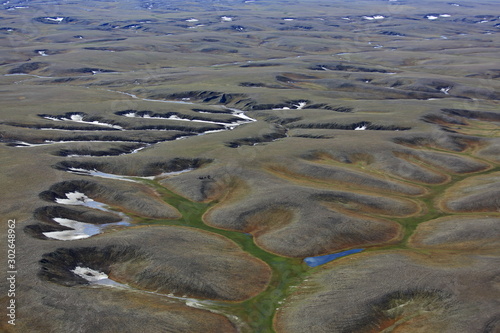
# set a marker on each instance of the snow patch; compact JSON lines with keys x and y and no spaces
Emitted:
{"x":89,"y":274}
{"x":374,"y":17}
{"x":100,"y":174}
{"x":78,"y":118}
{"x":300,"y":105}
{"x":445,"y":90}
{"x":96,"y":277}
{"x":80,"y":230}
{"x":80,"y":199}
{"x":55,"y":19}
{"x":27,"y":144}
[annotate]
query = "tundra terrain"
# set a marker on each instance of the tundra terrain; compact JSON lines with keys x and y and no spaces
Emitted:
{"x":251,"y":165}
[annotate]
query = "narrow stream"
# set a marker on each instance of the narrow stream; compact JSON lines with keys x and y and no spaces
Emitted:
{"x":320,"y":260}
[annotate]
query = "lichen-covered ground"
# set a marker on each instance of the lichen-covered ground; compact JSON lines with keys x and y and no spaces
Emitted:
{"x":188,"y":156}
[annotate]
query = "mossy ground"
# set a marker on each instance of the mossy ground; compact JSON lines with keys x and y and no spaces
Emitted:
{"x":432,"y":202}
{"x":168,"y":55}
{"x":257,"y":313}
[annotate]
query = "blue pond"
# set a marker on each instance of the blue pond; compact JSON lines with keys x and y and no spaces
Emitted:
{"x":320,"y":260}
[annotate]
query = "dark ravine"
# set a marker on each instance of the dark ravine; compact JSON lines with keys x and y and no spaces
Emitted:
{"x":94,"y":152}
{"x":363,"y":125}
{"x":145,"y":169}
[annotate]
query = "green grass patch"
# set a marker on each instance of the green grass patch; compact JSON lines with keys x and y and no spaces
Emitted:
{"x":258,"y":312}
{"x":430,"y":201}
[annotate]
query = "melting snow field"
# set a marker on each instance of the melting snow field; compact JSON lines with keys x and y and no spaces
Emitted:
{"x":49,"y":142}
{"x":445,"y":90}
{"x":434,"y":17}
{"x":80,"y":199}
{"x":96,"y":277}
{"x":25,"y":74}
{"x":78,"y":118}
{"x":374,"y":17}
{"x":235,"y":112}
{"x":96,"y":173}
{"x":27,"y":144}
{"x":55,"y":19}
{"x":100,"y":174}
{"x":82,"y":230}
{"x":298,"y":106}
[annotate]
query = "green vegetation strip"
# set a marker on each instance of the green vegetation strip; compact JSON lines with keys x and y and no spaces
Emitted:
{"x":257,"y":312}
{"x":430,"y":200}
